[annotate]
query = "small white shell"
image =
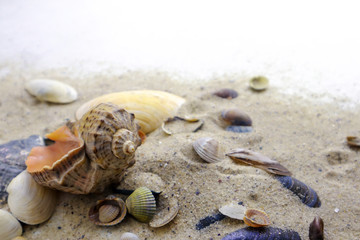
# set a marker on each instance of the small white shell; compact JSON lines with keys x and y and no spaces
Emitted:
{"x":259,"y":83}
{"x":233,"y":211}
{"x":208,"y":149}
{"x":129,"y":236}
{"x":9,"y":226}
{"x":51,"y":91}
{"x":30,"y":202}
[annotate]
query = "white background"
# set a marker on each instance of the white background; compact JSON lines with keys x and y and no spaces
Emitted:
{"x":303,"y":47}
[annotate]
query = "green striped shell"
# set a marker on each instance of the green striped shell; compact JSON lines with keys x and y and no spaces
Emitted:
{"x":141,"y":204}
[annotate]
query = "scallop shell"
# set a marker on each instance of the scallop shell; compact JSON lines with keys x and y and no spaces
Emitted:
{"x":235,"y":211}
{"x":236,"y":117}
{"x":129,"y":236}
{"x":268,"y":233}
{"x":51,"y":91}
{"x":100,"y":147}
{"x":150,"y":107}
{"x":306,"y":194}
{"x":208,"y":149}
{"x":9,"y":226}
{"x":226,"y":93}
{"x":316,"y":229}
{"x":28,"y":201}
{"x":256,"y":218}
{"x":108,"y":212}
{"x":259,"y":83}
{"x":168,"y":208}
{"x":141,"y":204}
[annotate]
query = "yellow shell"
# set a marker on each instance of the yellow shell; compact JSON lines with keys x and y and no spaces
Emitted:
{"x":102,"y":146}
{"x":256,"y":218}
{"x":141,"y":204}
{"x":150,"y":107}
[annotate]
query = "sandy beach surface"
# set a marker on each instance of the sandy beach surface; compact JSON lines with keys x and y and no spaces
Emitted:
{"x":305,"y":135}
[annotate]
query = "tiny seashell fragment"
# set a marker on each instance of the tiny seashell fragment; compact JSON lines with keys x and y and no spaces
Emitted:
{"x":306,"y":194}
{"x":316,"y":229}
{"x":51,"y":91}
{"x":256,"y":218}
{"x":185,"y":119}
{"x":235,"y":211}
{"x":236,"y":117}
{"x":259,"y":83}
{"x":9,"y":226}
{"x":141,"y":204}
{"x":108,"y":212}
{"x":168,"y":208}
{"x":129,"y":236}
{"x":268,"y":233}
{"x":208,"y":149}
{"x":226,"y":93}
{"x":353,"y":141}
{"x":258,"y":160}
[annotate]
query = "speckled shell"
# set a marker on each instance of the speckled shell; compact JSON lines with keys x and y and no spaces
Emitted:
{"x":108,"y":212}
{"x":268,"y":233}
{"x":150,"y":107}
{"x":208,"y":149}
{"x":256,"y":218}
{"x":109,"y":139}
{"x":141,"y":204}
{"x":306,"y":194}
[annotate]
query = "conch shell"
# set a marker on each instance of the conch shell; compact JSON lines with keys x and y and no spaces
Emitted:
{"x":150,"y":107}
{"x":87,"y":155}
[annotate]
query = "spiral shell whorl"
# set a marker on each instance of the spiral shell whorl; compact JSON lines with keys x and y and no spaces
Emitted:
{"x":104,"y":130}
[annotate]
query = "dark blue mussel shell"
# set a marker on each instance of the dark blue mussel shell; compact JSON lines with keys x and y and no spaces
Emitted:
{"x":306,"y":194}
{"x":268,"y":233}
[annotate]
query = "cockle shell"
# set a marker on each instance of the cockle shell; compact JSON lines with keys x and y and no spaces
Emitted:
{"x":259,"y":83}
{"x":235,"y":211}
{"x":9,"y":226}
{"x":268,"y":233}
{"x":129,"y":236}
{"x":256,"y":218}
{"x":94,"y":153}
{"x":141,"y":204}
{"x":108,"y":212}
{"x":30,"y":202}
{"x":51,"y":91}
{"x":150,"y":107}
{"x":168,"y":208}
{"x":208,"y":149}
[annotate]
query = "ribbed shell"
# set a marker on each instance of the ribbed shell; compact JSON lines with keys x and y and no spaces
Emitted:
{"x":268,"y":233}
{"x":208,"y":149}
{"x":141,"y":204}
{"x":256,"y":218}
{"x":306,"y":194}
{"x":108,"y":212}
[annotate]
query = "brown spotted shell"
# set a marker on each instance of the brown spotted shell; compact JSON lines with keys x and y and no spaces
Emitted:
{"x":108,"y":212}
{"x":108,"y":140}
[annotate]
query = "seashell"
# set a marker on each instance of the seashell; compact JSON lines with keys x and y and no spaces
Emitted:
{"x":236,"y":117}
{"x":235,"y":211}
{"x":208,"y":149}
{"x":316,"y":229}
{"x":353,"y":141}
{"x":259,"y":83}
{"x":51,"y":91}
{"x":256,"y":218}
{"x":19,"y":238}
{"x":28,"y":201}
{"x":141,"y":204}
{"x":150,"y":107}
{"x":208,"y":220}
{"x":189,"y":120}
{"x":306,"y":194}
{"x":108,"y":212}
{"x":12,"y":160}
{"x":226,"y":93}
{"x":239,"y":129}
{"x":258,"y":160}
{"x":268,"y":233}
{"x":168,"y":208}
{"x":129,"y":236}
{"x":9,"y":226}
{"x":102,"y":148}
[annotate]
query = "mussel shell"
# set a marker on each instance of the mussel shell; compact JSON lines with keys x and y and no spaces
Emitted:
{"x":239,"y":129}
{"x":141,"y":204}
{"x":111,"y":219}
{"x":268,"y":233}
{"x":226,"y":93}
{"x":316,"y":229}
{"x":306,"y":194}
{"x":256,"y":218}
{"x":237,"y":117}
{"x":259,"y":83}
{"x":208,"y":149}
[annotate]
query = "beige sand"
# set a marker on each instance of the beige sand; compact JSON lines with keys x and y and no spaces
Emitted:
{"x":306,"y":136}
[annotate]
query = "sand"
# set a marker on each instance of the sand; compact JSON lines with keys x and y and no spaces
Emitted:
{"x":305,"y":135}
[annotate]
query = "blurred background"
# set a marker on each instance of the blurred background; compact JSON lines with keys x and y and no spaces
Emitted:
{"x":305,"y":47}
